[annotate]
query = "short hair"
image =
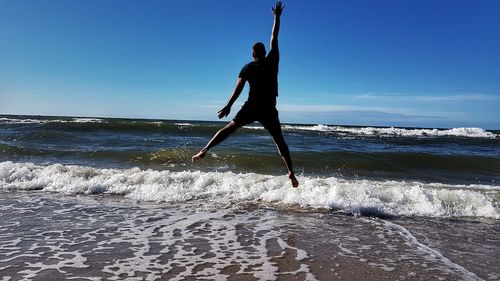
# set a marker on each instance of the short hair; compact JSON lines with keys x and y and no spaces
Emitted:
{"x":259,"y":50}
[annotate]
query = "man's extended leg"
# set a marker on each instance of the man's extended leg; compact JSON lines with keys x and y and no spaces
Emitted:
{"x":270,"y":120}
{"x":285,"y":155}
{"x":221,"y":135}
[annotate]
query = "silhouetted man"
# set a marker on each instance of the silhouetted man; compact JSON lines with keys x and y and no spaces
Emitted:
{"x":262,"y":75}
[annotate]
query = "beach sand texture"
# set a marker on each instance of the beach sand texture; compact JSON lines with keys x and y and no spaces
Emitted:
{"x":46,"y":236}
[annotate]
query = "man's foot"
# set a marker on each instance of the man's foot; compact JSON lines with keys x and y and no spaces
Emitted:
{"x":199,"y":155}
{"x":293,"y":179}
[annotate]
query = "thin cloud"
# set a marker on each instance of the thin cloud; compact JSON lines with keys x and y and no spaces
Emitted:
{"x":432,"y":98}
{"x":332,"y":108}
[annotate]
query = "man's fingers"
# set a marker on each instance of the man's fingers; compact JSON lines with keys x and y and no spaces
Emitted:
{"x":223,"y":113}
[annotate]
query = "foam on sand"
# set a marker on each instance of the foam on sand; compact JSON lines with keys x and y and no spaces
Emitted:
{"x":352,"y":196}
{"x":121,"y":240}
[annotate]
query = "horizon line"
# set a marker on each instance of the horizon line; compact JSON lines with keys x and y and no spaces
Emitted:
{"x":220,"y":121}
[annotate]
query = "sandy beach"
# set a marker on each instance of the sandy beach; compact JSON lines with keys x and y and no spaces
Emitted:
{"x":46,"y":236}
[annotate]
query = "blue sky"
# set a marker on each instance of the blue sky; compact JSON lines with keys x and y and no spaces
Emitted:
{"x":426,"y":63}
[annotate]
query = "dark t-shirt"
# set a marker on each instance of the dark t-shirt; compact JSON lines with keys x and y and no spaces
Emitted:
{"x":263,"y":79}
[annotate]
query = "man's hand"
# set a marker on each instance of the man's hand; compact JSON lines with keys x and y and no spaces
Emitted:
{"x":224,"y":111}
{"x":278,"y":8}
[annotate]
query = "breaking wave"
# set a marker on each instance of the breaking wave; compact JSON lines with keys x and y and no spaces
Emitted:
{"x":117,"y":123}
{"x":392,"y":198}
{"x":4,"y":120}
{"x":392,"y":131}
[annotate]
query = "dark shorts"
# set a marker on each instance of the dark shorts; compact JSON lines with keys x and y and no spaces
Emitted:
{"x":268,"y":117}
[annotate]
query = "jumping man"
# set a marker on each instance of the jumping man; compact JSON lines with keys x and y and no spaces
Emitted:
{"x":262,"y":75}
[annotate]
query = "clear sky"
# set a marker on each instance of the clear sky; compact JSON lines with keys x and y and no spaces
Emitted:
{"x":425,"y":63}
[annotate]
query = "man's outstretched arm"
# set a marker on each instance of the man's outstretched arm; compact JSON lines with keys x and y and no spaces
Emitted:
{"x":277,"y":10}
{"x":223,"y":133}
{"x":240,"y":84}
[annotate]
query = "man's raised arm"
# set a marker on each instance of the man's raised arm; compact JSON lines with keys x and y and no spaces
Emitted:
{"x":277,"y":9}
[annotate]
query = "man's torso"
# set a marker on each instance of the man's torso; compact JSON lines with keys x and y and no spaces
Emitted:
{"x":262,"y":76}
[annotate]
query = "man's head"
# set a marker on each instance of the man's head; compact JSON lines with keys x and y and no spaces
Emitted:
{"x":258,"y":50}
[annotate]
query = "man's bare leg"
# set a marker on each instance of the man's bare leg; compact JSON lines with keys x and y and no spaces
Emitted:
{"x":285,"y":155}
{"x":221,"y":135}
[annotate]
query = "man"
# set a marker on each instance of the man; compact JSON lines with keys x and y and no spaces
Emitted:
{"x":262,"y":75}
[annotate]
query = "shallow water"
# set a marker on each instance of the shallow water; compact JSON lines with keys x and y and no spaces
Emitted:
{"x":113,"y":238}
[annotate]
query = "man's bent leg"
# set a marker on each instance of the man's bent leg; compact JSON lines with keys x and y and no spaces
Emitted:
{"x":221,"y":135}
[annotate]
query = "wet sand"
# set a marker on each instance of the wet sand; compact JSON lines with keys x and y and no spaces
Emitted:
{"x":47,"y":236}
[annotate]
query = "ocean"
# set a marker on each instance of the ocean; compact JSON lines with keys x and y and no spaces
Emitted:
{"x":120,"y":199}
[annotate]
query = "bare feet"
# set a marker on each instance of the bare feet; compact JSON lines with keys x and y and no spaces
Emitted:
{"x":293,"y":179}
{"x":199,"y":155}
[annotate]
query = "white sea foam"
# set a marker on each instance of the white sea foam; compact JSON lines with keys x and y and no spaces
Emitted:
{"x":43,"y":121}
{"x":154,"y":242}
{"x":86,"y":120}
{"x":183,"y":124}
{"x":391,"y":131}
{"x":21,"y":121}
{"x":354,"y":196}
